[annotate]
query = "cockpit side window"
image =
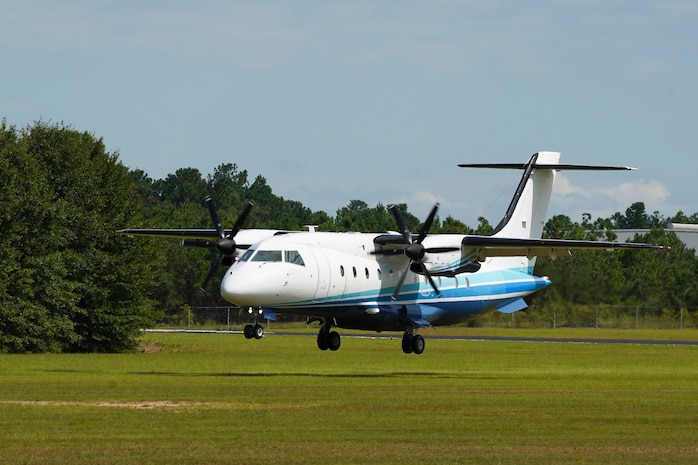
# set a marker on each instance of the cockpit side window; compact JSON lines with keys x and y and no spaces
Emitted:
{"x":246,"y":256}
{"x":267,"y":256}
{"x":292,"y":256}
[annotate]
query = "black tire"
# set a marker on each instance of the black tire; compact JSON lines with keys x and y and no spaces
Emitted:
{"x":258,"y":331}
{"x":418,"y":344}
{"x":323,"y":342}
{"x":334,"y":340}
{"x":248,"y":331}
{"x":407,"y":343}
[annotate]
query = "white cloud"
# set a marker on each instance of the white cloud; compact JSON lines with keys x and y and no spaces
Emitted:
{"x":564,"y":187}
{"x":603,"y":200}
{"x":651,"y":192}
{"x":426,"y":199}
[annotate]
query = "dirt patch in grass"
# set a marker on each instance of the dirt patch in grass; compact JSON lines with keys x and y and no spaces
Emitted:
{"x":144,"y":405}
{"x":149,"y":347}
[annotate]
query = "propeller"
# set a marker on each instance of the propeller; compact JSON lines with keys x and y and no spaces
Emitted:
{"x":225,"y":244}
{"x":415,"y":251}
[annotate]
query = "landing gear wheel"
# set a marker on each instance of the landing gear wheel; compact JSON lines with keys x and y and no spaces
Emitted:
{"x":418,"y":344}
{"x":407,"y":343}
{"x":333,"y":340}
{"x":323,"y":342}
{"x":258,"y":331}
{"x":248,"y":332}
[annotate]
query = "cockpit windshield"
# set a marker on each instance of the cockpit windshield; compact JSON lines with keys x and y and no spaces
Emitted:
{"x":288,"y":256}
{"x":267,"y":256}
{"x":246,"y":256}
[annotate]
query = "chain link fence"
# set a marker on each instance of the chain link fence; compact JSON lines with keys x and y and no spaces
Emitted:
{"x":548,"y":316}
{"x":595,"y":316}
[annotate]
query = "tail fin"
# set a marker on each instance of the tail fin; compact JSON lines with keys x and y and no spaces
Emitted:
{"x":525,"y":217}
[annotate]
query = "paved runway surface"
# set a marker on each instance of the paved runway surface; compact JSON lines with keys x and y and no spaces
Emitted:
{"x":464,"y":338}
{"x":520,"y":339}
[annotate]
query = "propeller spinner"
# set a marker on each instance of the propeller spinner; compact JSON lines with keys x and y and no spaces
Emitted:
{"x":225,"y":244}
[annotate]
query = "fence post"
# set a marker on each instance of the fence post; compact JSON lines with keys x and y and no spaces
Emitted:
{"x":637,"y":317}
{"x":596,"y":317}
{"x":681,"y":318}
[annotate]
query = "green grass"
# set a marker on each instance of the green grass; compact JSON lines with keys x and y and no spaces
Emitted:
{"x":211,"y":398}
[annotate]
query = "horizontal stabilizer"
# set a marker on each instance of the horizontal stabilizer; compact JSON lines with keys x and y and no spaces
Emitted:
{"x":520,"y":166}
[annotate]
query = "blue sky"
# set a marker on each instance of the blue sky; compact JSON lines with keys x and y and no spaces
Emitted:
{"x":374,"y":100}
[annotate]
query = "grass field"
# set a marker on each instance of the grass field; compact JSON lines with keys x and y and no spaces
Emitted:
{"x":218,"y":398}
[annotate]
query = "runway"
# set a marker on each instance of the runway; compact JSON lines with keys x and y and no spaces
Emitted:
{"x":553,"y":340}
{"x":519,"y":339}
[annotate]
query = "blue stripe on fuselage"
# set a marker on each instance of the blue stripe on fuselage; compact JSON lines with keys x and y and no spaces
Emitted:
{"x":461,"y":297}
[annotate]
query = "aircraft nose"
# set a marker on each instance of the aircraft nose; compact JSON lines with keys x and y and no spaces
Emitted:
{"x":238,"y":289}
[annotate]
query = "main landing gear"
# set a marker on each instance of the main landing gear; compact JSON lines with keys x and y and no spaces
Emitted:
{"x":412,"y":343}
{"x":327,"y":339}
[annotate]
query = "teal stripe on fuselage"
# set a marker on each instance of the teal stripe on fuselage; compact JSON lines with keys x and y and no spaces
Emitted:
{"x":485,"y":288}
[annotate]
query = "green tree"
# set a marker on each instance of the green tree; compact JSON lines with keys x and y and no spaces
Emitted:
{"x":68,"y":283}
{"x":453,"y":226}
{"x":636,"y":218}
{"x":484,"y":228}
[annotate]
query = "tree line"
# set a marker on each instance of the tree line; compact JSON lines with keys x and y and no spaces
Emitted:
{"x":69,"y":283}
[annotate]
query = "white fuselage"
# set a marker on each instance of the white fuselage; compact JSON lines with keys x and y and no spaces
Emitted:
{"x":335,"y":275}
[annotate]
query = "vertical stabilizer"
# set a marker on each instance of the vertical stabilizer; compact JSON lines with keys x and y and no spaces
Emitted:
{"x":526,"y":215}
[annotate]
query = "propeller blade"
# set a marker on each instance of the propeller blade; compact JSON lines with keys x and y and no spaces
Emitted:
{"x":427,"y":224}
{"x":400,"y":282}
{"x":431,"y":281}
{"x":214,"y":216}
{"x":214,"y":266}
{"x":400,"y":224}
{"x":241,"y":219}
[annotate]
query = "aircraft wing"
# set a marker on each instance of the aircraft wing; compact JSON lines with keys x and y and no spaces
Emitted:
{"x":244,"y":238}
{"x":490,"y":246}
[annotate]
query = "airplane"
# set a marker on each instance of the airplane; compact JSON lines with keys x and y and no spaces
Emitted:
{"x":392,"y":281}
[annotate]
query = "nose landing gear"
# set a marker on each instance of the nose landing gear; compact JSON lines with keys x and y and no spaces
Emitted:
{"x":327,"y":339}
{"x":255,"y":331}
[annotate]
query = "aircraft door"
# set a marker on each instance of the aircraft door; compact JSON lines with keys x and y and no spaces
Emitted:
{"x":328,"y":279}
